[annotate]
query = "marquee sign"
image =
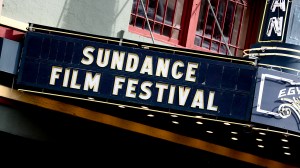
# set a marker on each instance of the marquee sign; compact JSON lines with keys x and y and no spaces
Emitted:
{"x":274,"y":21}
{"x":277,"y":99}
{"x":143,"y":77}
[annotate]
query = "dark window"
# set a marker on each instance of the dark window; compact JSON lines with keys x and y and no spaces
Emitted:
{"x":170,"y":24}
{"x":164,"y":16}
{"x":231,"y":15}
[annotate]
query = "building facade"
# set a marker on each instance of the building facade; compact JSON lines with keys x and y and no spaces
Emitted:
{"x":177,"y":81}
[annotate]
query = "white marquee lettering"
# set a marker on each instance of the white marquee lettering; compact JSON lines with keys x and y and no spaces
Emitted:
{"x":278,"y":4}
{"x":190,"y":72}
{"x":89,"y":58}
{"x":55,"y":74}
{"x":161,"y":88}
{"x":131,"y":87}
{"x":92,"y":82}
{"x":74,"y":84}
{"x":291,"y":91}
{"x":171,"y":94}
{"x":132,"y":62}
{"x":183,"y":95}
{"x":145,"y":88}
{"x":198,"y":100}
{"x":102,"y":61}
{"x":66,"y":77}
{"x":175,"y":73}
{"x":147,"y":66}
{"x":276,"y":25}
{"x":117,"y":60}
{"x":162,"y":68}
{"x":210,"y":103}
{"x":282,"y":93}
{"x":118,"y":84}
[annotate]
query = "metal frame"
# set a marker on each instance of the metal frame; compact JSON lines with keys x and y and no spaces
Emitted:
{"x":221,"y":26}
{"x":153,"y":22}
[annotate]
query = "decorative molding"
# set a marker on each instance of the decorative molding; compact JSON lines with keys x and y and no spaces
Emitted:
{"x":13,"y":23}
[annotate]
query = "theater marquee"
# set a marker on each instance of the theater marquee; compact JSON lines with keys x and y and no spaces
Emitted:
{"x":277,"y":100}
{"x":117,"y":73}
{"x":274,"y":21}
